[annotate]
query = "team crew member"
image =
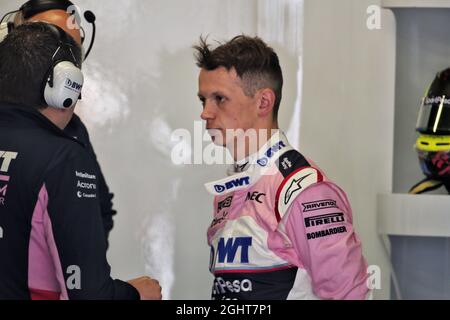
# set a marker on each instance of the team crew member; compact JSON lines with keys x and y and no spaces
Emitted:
{"x":281,"y":229}
{"x":52,"y":240}
{"x":56,"y":12}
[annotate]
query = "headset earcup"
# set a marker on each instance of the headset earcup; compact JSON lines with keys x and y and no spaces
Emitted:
{"x":67,"y":84}
{"x":4,"y":30}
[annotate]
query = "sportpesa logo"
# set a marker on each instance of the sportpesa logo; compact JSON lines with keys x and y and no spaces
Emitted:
{"x":245,"y":181}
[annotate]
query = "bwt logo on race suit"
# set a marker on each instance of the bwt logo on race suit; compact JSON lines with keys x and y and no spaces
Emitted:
{"x":245,"y":181}
{"x":269,"y":153}
{"x":227,"y":250}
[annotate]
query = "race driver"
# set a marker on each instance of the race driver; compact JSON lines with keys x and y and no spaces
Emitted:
{"x":281,"y":229}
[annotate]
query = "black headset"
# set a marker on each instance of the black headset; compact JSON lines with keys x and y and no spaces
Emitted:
{"x":33,"y":7}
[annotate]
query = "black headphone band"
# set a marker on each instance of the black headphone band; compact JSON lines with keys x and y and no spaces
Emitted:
{"x":34,"y":7}
{"x":64,"y":43}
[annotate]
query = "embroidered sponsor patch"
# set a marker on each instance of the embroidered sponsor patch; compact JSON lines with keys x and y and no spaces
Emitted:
{"x":319,"y":205}
{"x":324,"y":219}
{"x":325,"y":233}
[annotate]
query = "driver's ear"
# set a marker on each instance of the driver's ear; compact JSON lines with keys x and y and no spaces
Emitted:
{"x":266,"y":103}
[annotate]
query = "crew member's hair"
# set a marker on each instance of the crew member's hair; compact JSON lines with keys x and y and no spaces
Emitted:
{"x":25,"y":60}
{"x":255,"y":63}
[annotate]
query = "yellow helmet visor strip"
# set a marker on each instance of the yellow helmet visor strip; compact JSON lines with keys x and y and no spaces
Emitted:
{"x":429,"y":143}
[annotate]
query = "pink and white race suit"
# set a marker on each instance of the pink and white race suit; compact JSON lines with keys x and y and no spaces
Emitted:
{"x":282,"y":230}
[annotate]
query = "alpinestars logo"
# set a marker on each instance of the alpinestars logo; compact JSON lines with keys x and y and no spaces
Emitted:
{"x":293,"y":188}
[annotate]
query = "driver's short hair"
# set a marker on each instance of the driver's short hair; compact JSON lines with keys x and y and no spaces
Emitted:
{"x":256,"y":64}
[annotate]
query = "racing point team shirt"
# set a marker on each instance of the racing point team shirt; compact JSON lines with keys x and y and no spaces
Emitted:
{"x":52,"y":239}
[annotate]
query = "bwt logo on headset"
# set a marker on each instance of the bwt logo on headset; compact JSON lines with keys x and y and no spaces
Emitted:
{"x":72,"y":85}
{"x":232,"y":184}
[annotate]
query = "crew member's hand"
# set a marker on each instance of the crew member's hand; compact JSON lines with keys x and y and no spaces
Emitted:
{"x":148,"y":288}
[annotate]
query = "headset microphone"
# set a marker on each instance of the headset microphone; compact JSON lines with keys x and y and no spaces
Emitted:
{"x":90,"y":17}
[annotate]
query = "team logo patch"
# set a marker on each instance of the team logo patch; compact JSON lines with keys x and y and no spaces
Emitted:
{"x":245,"y":181}
{"x":324,"y":219}
{"x":325,"y":233}
{"x":226,"y":203}
{"x":294,"y":187}
{"x":319,"y":205}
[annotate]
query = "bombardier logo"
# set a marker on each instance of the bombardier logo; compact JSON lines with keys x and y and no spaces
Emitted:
{"x":245,"y":181}
{"x":324,"y":219}
{"x":325,"y":233}
{"x":294,"y":187}
{"x":318,"y":205}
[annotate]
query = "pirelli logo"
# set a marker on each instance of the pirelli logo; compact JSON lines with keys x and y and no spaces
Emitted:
{"x":318,"y":205}
{"x":324,"y":219}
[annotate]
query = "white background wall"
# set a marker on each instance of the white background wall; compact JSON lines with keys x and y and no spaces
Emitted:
{"x":348,"y":109}
{"x":142,"y":83}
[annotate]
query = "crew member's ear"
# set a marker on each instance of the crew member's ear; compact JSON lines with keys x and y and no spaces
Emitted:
{"x":266,"y":102}
{"x":18,"y":19}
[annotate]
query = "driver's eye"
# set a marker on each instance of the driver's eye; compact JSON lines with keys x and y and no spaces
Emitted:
{"x":220,"y":99}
